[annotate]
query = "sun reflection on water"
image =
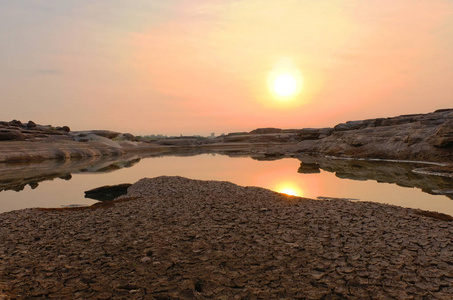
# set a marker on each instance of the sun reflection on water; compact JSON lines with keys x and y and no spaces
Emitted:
{"x":290,"y":189}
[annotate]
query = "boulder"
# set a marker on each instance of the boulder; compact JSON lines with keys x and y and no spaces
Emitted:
{"x":129,"y":137}
{"x":31,"y":124}
{"x":63,"y":128}
{"x":15,"y":123}
{"x":108,"y":192}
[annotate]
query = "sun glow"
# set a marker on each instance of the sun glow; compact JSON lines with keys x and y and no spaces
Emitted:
{"x":285,"y":85}
{"x":289,"y":188}
{"x":285,"y":80}
{"x":289,"y":192}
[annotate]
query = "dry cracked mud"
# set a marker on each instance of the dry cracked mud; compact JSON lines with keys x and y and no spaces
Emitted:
{"x":176,"y":238}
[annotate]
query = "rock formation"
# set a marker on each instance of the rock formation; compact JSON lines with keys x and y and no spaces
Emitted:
{"x":426,"y":137}
{"x":421,"y":137}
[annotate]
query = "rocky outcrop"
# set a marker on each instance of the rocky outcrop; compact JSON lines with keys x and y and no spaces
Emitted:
{"x":418,"y":137}
{"x":33,"y":142}
{"x":427,"y":137}
{"x":17,"y":131}
{"x":412,"y":137}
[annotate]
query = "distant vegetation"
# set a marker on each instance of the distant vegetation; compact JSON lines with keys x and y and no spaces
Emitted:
{"x":162,"y":136}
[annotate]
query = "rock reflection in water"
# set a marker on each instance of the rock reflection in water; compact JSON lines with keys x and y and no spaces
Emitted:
{"x":15,"y":176}
{"x":271,"y":172}
{"x":381,"y":171}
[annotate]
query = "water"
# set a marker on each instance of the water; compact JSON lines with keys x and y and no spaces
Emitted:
{"x":58,"y":184}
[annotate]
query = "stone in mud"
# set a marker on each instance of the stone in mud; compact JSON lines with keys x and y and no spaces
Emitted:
{"x":108,"y":192}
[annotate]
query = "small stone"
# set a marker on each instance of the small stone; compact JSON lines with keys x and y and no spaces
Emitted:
{"x":145,"y":259}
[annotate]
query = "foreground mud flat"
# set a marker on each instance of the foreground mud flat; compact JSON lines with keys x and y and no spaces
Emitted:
{"x":176,"y":238}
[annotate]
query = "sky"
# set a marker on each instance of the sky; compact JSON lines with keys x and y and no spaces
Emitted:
{"x":201,"y":66}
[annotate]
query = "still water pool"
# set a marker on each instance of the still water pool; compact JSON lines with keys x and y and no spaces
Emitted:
{"x":397,"y":185}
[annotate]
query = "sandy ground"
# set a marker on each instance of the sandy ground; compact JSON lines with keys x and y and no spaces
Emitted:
{"x":176,"y":238}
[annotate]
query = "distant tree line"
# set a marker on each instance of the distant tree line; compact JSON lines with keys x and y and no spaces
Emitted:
{"x":162,"y":136}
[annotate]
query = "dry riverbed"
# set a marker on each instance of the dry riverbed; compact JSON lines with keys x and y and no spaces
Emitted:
{"x":176,"y":238}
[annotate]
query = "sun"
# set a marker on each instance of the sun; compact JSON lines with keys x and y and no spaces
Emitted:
{"x":285,"y":80}
{"x":285,"y":85}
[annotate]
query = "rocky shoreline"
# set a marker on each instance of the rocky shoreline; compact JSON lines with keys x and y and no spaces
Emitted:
{"x":176,"y":238}
{"x":420,"y":137}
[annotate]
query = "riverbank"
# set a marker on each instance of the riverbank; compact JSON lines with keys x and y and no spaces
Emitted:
{"x":173,"y":237}
{"x":419,"y":137}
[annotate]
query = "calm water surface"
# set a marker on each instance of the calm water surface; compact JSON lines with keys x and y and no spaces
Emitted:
{"x":278,"y":175}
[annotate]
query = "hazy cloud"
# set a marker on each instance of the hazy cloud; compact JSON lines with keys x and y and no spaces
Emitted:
{"x":48,"y":71}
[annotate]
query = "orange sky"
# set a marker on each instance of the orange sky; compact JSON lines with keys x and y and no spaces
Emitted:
{"x":196,"y":67}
